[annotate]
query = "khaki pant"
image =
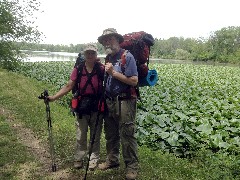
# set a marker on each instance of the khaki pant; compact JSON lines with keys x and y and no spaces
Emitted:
{"x":82,"y":125}
{"x":120,"y":124}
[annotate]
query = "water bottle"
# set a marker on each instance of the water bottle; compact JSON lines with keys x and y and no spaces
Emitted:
{"x":75,"y":101}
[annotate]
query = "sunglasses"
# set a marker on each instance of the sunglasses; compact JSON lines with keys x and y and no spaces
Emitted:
{"x":90,"y":53}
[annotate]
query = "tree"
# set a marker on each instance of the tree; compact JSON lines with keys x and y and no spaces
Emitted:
{"x":16,"y":25}
{"x":226,"y":43}
{"x":182,"y":54}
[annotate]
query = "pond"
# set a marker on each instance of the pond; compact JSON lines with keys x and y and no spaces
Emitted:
{"x":40,"y":56}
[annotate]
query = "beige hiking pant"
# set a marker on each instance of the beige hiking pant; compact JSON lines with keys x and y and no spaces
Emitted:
{"x":82,"y":125}
{"x":120,"y":124}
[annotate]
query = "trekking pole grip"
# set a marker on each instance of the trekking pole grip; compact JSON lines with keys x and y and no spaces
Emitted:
{"x":44,"y":95}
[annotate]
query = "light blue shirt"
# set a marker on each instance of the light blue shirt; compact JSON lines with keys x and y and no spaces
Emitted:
{"x":114,"y":86}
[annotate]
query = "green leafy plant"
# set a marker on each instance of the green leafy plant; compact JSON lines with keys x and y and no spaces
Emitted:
{"x":191,"y":106}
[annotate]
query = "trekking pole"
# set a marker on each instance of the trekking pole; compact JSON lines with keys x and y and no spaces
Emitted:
{"x":96,"y":124}
{"x":92,"y":140}
{"x":44,"y":96}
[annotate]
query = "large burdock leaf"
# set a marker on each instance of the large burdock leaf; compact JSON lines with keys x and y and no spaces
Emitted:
{"x":232,"y":129}
{"x":224,"y":145}
{"x":181,"y":115}
{"x":218,"y":141}
{"x":236,"y":140}
{"x":173,"y":139}
{"x":205,"y":128}
{"x":164,"y":135}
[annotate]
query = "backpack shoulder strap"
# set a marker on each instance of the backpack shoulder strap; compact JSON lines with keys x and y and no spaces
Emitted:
{"x":79,"y":71}
{"x":99,"y":71}
{"x":131,"y":89}
{"x":79,"y":68}
{"x":123,"y":57}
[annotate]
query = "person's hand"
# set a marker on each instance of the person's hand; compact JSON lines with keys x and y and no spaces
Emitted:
{"x":109,"y":68}
{"x":50,"y":98}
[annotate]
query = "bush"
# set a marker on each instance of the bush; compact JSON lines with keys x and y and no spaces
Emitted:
{"x":182,"y":54}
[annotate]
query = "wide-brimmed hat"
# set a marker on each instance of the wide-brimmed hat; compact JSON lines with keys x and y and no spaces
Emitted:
{"x":110,"y":32}
{"x":90,"y":47}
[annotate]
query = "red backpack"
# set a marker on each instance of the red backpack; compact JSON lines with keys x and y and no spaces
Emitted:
{"x":138,"y":43}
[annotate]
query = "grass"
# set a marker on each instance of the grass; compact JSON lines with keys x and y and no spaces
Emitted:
{"x":16,"y":162}
{"x":18,"y":94}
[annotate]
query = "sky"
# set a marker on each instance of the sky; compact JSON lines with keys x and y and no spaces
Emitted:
{"x":83,"y":21}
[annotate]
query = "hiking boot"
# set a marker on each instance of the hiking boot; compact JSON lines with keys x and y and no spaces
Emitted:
{"x":131,"y":174}
{"x":78,"y":164}
{"x":107,"y":165}
{"x":93,"y":164}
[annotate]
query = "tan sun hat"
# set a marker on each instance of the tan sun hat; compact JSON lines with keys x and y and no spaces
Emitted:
{"x":90,"y":47}
{"x":110,"y":32}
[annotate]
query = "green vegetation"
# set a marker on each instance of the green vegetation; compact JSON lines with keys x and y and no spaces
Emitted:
{"x":223,"y":46}
{"x":15,"y":26}
{"x":191,"y":107}
{"x":19,"y":94}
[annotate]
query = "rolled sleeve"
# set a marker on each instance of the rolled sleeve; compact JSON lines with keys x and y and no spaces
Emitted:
{"x":130,"y":67}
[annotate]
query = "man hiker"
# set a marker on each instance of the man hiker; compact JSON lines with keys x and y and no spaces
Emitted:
{"x":119,"y":122}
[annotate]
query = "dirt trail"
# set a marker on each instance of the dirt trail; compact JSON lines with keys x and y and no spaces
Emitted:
{"x":37,"y":149}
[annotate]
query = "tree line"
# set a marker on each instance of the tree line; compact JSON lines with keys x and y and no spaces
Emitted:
{"x":222,"y":46}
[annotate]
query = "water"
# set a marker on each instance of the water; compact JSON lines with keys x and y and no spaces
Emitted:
{"x":46,"y":56}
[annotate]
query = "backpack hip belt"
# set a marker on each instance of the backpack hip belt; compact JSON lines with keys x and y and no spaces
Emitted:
{"x":120,"y":97}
